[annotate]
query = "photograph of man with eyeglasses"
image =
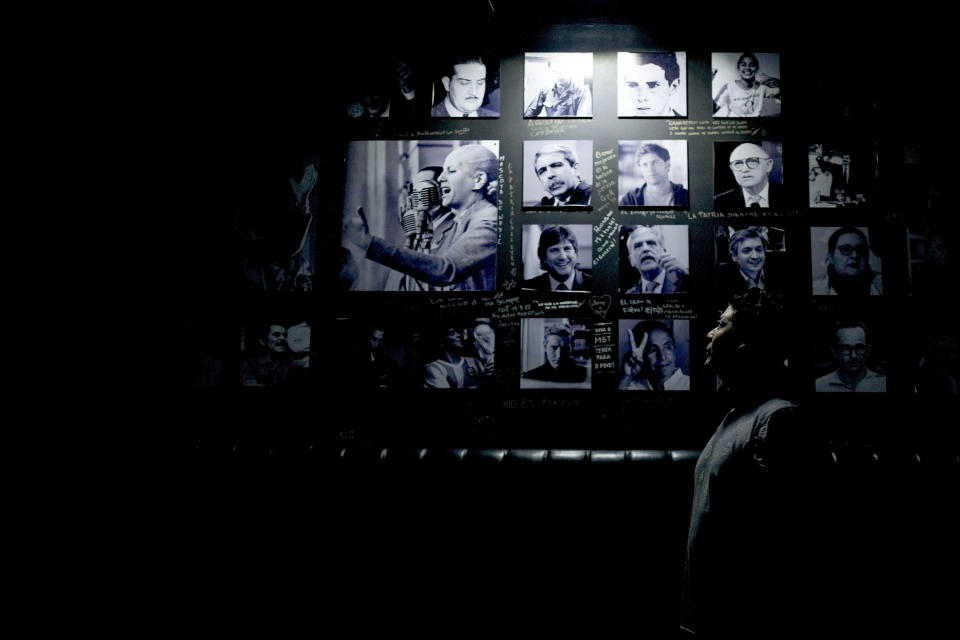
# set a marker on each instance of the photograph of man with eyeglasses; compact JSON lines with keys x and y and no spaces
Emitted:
{"x":851,"y":351}
{"x":748,"y":176}
{"x":844,"y":264}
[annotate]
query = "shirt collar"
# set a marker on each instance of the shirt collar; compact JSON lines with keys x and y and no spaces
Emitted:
{"x":569,"y":281}
{"x":760,"y":282}
{"x":764,"y":195}
{"x":659,"y":280}
{"x":456,"y":113}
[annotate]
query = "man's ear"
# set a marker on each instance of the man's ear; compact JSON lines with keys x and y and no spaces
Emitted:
{"x":445,"y":81}
{"x":674,"y":85}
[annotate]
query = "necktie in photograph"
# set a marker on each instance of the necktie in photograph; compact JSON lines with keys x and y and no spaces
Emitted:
{"x":650,"y":287}
{"x":563,"y":287}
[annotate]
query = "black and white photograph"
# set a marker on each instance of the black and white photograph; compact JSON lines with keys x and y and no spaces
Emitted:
{"x":557,"y":173}
{"x":750,"y":256}
{"x":652,"y":84}
{"x":654,"y":259}
{"x":382,"y":88}
{"x":936,"y":370}
{"x":850,"y":356}
{"x":933,"y":260}
{"x":275,"y":231}
{"x":557,"y":257}
{"x":655,"y":355}
{"x":843,"y":262}
{"x":745,"y":84}
{"x":435,"y":352}
{"x":748,"y":175}
{"x":555,"y":353}
{"x":420,"y":215}
{"x":653,"y":173}
{"x":467,"y":86}
{"x":274,"y":352}
{"x":558,"y":85}
{"x":838,"y":177}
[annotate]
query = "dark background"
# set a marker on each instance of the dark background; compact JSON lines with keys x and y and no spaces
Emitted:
{"x":262,"y":497}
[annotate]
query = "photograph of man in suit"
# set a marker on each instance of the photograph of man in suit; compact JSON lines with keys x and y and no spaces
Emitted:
{"x":749,"y":266}
{"x":656,"y":270}
{"x":558,"y":252}
{"x":558,"y":169}
{"x":465,"y":81}
{"x":751,"y":165}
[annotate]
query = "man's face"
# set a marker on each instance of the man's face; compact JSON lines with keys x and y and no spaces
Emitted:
{"x":561,"y":75}
{"x":653,"y":169}
{"x":750,"y":256}
{"x":560,"y":259}
{"x":659,"y":354}
{"x":740,"y":164}
{"x":849,"y":257}
{"x":555,"y":349}
{"x":456,"y":181}
{"x":649,"y":90}
{"x":748,"y":69}
{"x":721,"y":343}
{"x":376,"y":339}
{"x":851,"y":349}
{"x":467,"y":85}
{"x":556,"y":174}
{"x":645,"y":251}
{"x":276,"y":339}
{"x":453,"y":340}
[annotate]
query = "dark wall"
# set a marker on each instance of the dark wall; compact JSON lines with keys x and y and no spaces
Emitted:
{"x":256,"y":92}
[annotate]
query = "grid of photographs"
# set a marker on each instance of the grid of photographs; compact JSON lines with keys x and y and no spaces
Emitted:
{"x":584,"y":266}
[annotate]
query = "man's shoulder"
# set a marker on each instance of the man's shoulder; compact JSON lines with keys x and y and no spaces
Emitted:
{"x":731,"y":199}
{"x":539,"y":283}
{"x":826,"y":381}
{"x":633,"y":198}
{"x":440,"y":110}
{"x":680,"y":194}
{"x":487,"y":113}
{"x":821,"y":287}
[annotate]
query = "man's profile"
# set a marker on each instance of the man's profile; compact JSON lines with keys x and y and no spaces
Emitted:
{"x":465,"y":85}
{"x":649,"y":84}
{"x":559,"y":364}
{"x":562,"y":180}
{"x":464,"y":258}
{"x":651,"y":164}
{"x":651,"y":363}
{"x":851,"y":352}
{"x":751,"y":165}
{"x":653,"y":268}
{"x":558,"y":252}
{"x":752,"y":547}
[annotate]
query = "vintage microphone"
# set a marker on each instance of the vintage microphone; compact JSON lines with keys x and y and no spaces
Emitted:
{"x":423,"y":195}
